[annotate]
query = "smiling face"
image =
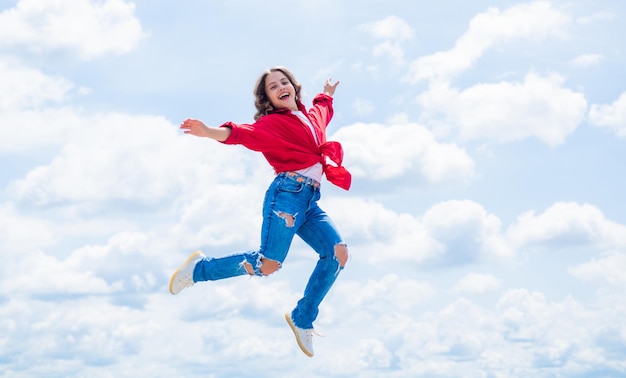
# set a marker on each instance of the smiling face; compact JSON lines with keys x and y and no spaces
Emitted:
{"x":280,"y":91}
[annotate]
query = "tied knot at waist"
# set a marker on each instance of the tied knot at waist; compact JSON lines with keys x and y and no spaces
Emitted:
{"x":336,"y":174}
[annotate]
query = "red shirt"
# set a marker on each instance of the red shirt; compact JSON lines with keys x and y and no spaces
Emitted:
{"x":288,"y":144}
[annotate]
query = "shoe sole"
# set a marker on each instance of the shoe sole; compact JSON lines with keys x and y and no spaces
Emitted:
{"x":189,"y":259}
{"x":295,"y":332}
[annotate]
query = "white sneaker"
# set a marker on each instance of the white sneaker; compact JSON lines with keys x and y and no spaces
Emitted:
{"x":183,"y":276}
{"x":304,"y":337}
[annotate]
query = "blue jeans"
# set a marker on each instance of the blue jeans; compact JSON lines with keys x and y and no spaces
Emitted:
{"x":290,"y":208}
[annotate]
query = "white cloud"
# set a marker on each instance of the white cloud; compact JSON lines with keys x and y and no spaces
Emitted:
{"x":88,"y":270}
{"x":89,"y":28}
{"x":573,"y":337}
{"x":587,"y":60}
{"x":611,"y":116}
{"x":25,"y":88}
{"x":369,"y":227}
{"x":463,"y":232}
{"x":561,"y":331}
{"x":389,"y":28}
{"x":467,"y":230}
{"x":533,"y":20}
{"x":32,"y":131}
{"x":439,"y":343}
{"x":66,"y":339}
{"x":118,"y":157}
{"x":29,"y":119}
{"x":53,"y":277}
{"x":567,"y":223}
{"x":374,"y":354}
{"x":390,"y":291}
{"x":393,"y":31}
{"x":114,"y":156}
{"x":475,"y":283}
{"x":538,"y":107}
{"x":458,"y":232}
{"x":391,"y":50}
{"x":380,"y":152}
{"x":608,"y":269}
{"x":17,"y":230}
{"x":210,"y":216}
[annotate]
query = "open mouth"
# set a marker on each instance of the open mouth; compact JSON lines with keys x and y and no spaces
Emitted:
{"x":283,"y":96}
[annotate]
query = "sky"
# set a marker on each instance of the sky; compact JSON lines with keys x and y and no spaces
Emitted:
{"x":486,"y":222}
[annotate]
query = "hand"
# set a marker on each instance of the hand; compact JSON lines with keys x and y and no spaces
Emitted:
{"x":329,"y":88}
{"x":195,"y":127}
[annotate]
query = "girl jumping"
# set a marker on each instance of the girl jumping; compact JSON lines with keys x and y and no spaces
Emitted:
{"x":293,"y":141}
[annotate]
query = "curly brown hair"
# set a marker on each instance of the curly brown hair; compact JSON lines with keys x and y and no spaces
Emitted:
{"x":262,"y":102}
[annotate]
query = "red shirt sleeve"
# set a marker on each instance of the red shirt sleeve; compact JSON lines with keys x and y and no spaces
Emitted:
{"x":256,"y":136}
{"x":321,"y":113}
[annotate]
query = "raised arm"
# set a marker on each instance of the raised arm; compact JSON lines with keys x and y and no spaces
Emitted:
{"x":199,"y":129}
{"x":329,"y":88}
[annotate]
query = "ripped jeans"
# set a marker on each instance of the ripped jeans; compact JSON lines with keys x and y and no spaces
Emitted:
{"x":290,"y":208}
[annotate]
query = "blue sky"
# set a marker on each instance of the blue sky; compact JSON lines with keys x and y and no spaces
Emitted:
{"x":486,"y":221}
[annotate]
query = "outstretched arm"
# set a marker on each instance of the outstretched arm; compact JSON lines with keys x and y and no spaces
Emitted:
{"x":197,"y":128}
{"x":329,"y":88}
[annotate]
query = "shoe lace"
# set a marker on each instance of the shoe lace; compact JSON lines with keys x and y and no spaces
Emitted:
{"x":311,"y":332}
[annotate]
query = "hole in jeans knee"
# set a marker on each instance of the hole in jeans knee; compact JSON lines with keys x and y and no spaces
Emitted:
{"x":249,"y":268}
{"x":341,"y":252}
{"x":269,"y":266}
